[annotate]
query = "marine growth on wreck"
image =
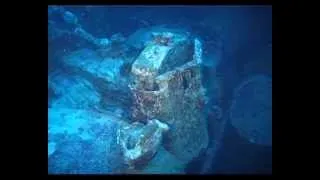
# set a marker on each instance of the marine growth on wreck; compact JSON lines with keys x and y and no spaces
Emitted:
{"x":149,"y":100}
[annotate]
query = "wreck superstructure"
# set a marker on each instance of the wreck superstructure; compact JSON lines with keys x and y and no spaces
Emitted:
{"x":159,"y":82}
{"x":166,"y":85}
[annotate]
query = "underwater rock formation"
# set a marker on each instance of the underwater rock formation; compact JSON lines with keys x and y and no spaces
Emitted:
{"x":154,"y":60}
{"x":251,"y":110}
{"x":116,"y":48}
{"x":140,"y":142}
{"x":143,"y":36}
{"x":182,"y":106}
{"x":72,"y":92}
{"x":167,"y":111}
{"x":83,"y":141}
{"x":103,"y":73}
{"x":172,"y":128}
{"x":167,"y":117}
{"x":167,"y":86}
{"x":71,"y":21}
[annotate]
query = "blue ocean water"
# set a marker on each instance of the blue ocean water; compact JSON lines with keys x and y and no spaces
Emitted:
{"x":84,"y":89}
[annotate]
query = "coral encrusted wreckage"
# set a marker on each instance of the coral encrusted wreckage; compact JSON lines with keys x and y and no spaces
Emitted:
{"x":166,"y":86}
{"x":137,"y":97}
{"x":147,"y":120}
